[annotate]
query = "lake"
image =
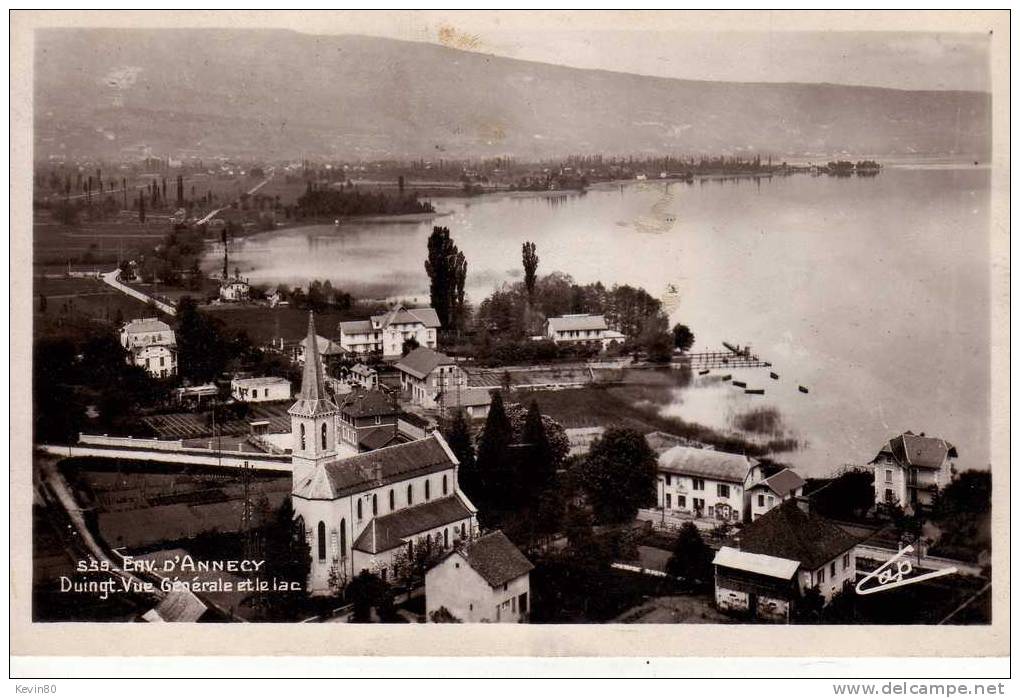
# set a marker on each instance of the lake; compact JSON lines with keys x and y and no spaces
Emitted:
{"x":873,"y":292}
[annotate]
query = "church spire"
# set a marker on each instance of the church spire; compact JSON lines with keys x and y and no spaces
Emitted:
{"x":312,"y":400}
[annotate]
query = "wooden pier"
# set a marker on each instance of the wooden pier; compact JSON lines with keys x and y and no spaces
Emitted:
{"x":705,"y":360}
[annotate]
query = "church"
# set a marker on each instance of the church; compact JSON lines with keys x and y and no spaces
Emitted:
{"x":359,"y":512}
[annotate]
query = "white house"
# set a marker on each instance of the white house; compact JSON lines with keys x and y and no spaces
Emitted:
{"x":703,"y":483}
{"x":428,"y":375}
{"x":486,"y":580}
{"x":911,"y":468}
{"x":151,"y":344}
{"x":778,"y":557}
{"x":582,"y":329}
{"x":260,"y":389}
{"x":235,"y":290}
{"x":766,"y":494}
{"x":359,"y":513}
{"x":364,"y":376}
{"x":386,"y":333}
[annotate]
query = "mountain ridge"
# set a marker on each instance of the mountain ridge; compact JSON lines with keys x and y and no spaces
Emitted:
{"x":282,"y":93}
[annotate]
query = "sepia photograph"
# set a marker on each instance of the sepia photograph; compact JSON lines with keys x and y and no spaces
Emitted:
{"x":563,"y":319}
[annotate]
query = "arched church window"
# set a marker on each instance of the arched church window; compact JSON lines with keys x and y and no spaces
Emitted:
{"x":343,"y":538}
{"x":359,"y":509}
{"x":444,"y":485}
{"x":324,"y":447}
{"x":446,"y":538}
{"x":410,"y":496}
{"x":322,"y":541}
{"x":392,"y":501}
{"x":375,"y":505}
{"x":427,"y":493}
{"x":302,"y":437}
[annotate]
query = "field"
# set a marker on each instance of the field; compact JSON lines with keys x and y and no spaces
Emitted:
{"x":98,"y":242}
{"x":70,"y":300}
{"x":263,"y":324}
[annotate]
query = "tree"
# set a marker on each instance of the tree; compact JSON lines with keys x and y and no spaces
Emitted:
{"x":442,"y":614}
{"x":683,"y":338}
{"x":365,"y":592}
{"x":495,"y":463}
{"x":691,"y":558}
{"x":530,"y":260}
{"x":288,"y":559}
{"x":654,"y":339}
{"x":409,"y":345}
{"x":447,"y":270}
{"x":618,"y":475}
{"x":541,"y":466}
{"x":458,"y":436}
{"x":848,"y":496}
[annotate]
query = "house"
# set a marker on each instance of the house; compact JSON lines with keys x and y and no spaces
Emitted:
{"x":779,"y":557}
{"x":195,"y":395}
{"x":910,"y":469}
{"x":260,"y":389}
{"x":386,"y":333}
{"x":327,"y":349}
{"x":151,"y":344}
{"x":768,"y":493}
{"x":361,"y":413}
{"x":486,"y":580}
{"x":582,"y":329}
{"x":703,"y":482}
{"x":364,"y":376}
{"x":235,"y":290}
{"x":474,"y":401}
{"x":362,"y":512}
{"x":427,"y":375}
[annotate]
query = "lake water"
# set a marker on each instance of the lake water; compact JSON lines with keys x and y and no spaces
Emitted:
{"x":872,"y":292}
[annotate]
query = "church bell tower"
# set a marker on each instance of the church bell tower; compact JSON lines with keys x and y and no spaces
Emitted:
{"x":313,"y":415}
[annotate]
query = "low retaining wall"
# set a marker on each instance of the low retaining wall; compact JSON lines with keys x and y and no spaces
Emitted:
{"x":184,"y":457}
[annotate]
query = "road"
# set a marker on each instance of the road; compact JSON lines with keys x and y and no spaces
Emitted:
{"x":205,"y":219}
{"x":112,"y":278}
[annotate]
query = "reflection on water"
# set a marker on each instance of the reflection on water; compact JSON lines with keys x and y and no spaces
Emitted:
{"x":873,"y":292}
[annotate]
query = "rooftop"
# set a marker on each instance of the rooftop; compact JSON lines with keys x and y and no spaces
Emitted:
{"x":791,"y":533}
{"x":327,"y":347}
{"x":701,"y":462}
{"x":909,"y":449}
{"x":755,"y":562}
{"x":376,"y":469}
{"x":367,"y":403}
{"x":422,"y":361}
{"x":783,"y":482}
{"x":390,"y":531}
{"x":379,"y":437}
{"x":407,"y":316}
{"x":467,"y":397}
{"x":260,"y":380}
{"x":495,"y":558}
{"x":149,"y":324}
{"x":565,"y":323}
{"x":357,"y":327}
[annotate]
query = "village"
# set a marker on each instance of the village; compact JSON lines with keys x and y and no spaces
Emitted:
{"x":422,"y":466}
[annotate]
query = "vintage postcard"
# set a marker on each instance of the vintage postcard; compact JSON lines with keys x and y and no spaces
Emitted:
{"x":510,"y":333}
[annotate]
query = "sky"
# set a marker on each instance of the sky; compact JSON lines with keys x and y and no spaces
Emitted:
{"x":676,"y":44}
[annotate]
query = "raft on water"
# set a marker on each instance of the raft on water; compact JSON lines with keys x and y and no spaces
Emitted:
{"x":774,"y":375}
{"x":740,"y":384}
{"x":701,"y":373}
{"x":755,"y":391}
{"x":802,"y":389}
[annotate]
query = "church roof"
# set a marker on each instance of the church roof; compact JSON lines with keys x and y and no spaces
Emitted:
{"x":313,"y":400}
{"x":377,"y":468}
{"x":390,"y":531}
{"x":496,"y":559}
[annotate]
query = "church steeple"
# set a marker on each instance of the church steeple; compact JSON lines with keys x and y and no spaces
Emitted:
{"x":312,"y":400}
{"x":312,"y":416}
